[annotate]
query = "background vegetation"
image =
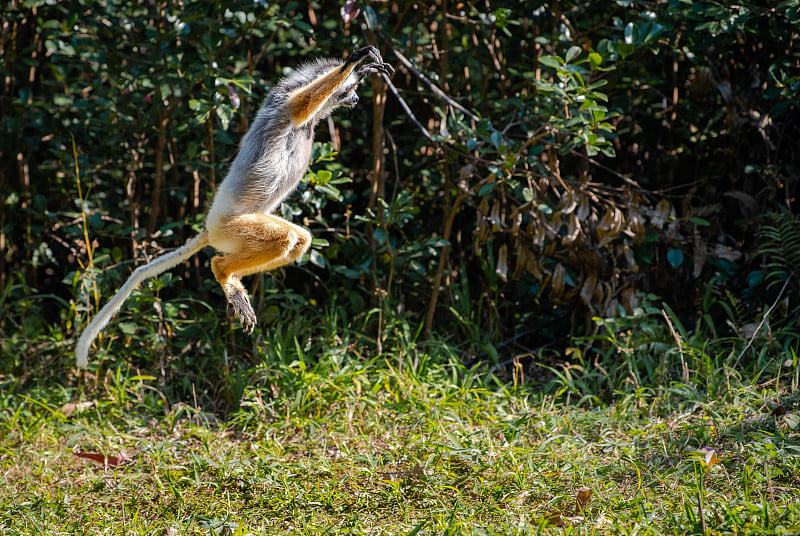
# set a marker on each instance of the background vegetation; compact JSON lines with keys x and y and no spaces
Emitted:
{"x":558,"y":250}
{"x":562,"y":159}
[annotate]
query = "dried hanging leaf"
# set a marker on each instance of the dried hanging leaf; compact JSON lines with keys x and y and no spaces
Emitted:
{"x":629,"y":298}
{"x":724,"y":252}
{"x":526,"y":260}
{"x":482,"y":232}
{"x":573,"y":229}
{"x":483,"y":207}
{"x":496,"y":218}
{"x":517,"y":223}
{"x":569,"y":202}
{"x":699,"y":255}
{"x":747,"y":201}
{"x":610,"y":226}
{"x":635,"y":224}
{"x":557,"y":280}
{"x":660,"y":215}
{"x":587,"y":290}
{"x":584,"y":209}
{"x":501,"y":268}
{"x":349,"y":11}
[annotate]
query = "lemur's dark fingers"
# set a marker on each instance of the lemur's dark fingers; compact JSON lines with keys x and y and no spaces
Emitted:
{"x":386,"y":69}
{"x":373,"y":68}
{"x":362,"y":53}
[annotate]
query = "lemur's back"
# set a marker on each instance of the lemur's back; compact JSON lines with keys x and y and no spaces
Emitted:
{"x":273,"y":155}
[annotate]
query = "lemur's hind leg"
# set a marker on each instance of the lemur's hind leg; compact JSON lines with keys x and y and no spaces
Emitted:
{"x":264,"y":242}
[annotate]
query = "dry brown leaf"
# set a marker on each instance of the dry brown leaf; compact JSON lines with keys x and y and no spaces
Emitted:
{"x":555,"y":519}
{"x":77,"y":407}
{"x":779,"y":410}
{"x":610,"y":226}
{"x":569,"y":202}
{"x":708,"y":456}
{"x":584,"y":209}
{"x":501,"y":268}
{"x":110,"y":461}
{"x":724,"y":252}
{"x":349,"y":11}
{"x":558,"y":280}
{"x":588,"y":289}
{"x":635,"y":224}
{"x":747,"y":201}
{"x":573,"y":229}
{"x":583,"y":497}
{"x":496,"y":218}
{"x":416,"y":472}
{"x":700,"y":254}
{"x":660,"y":214}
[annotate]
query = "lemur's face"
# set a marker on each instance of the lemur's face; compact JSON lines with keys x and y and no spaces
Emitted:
{"x":348,"y":98}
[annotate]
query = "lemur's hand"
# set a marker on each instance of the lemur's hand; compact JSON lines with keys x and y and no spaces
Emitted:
{"x":372,"y":68}
{"x":361,"y":53}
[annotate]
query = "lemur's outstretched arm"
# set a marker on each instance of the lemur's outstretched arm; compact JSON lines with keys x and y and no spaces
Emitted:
{"x":271,"y":162}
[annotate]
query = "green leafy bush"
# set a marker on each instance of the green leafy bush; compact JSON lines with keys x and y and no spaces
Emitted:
{"x":531,"y":167}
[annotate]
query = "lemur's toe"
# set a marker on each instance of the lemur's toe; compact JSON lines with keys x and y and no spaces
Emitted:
{"x":239,"y":306}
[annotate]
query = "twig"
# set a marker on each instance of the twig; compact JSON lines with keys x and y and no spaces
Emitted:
{"x":685,"y":370}
{"x":617,"y":174}
{"x":703,"y":526}
{"x":406,"y":109}
{"x":425,"y":80}
{"x":763,"y":319}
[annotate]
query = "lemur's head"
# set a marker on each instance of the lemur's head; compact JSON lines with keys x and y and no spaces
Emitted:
{"x":348,"y":97}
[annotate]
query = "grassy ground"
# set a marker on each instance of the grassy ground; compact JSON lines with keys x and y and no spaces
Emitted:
{"x":394,"y":446}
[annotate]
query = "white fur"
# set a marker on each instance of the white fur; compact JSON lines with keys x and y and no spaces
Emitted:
{"x":160,"y":264}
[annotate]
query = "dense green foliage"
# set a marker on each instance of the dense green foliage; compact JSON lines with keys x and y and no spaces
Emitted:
{"x":563,"y":160}
{"x":558,"y":250}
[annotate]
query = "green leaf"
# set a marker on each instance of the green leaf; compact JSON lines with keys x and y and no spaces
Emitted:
{"x":572,"y":53}
{"x":552,"y":61}
{"x":324,"y":176}
{"x":486,"y":188}
{"x":629,"y":33}
{"x":675,"y":257}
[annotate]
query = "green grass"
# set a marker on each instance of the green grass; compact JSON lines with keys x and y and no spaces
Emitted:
{"x":397,"y":446}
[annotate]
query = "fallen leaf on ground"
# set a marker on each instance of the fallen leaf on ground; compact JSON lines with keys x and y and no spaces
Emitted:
{"x":415,"y":472}
{"x":111,"y":461}
{"x":708,"y":456}
{"x":76,"y":407}
{"x":555,"y":519}
{"x":583,"y":497}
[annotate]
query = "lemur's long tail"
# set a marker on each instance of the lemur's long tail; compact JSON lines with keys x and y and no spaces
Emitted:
{"x":159,"y":264}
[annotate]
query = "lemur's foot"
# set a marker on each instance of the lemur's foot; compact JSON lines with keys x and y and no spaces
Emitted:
{"x":239,"y":306}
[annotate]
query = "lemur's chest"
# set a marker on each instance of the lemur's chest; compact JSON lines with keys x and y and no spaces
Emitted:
{"x":298,"y":151}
